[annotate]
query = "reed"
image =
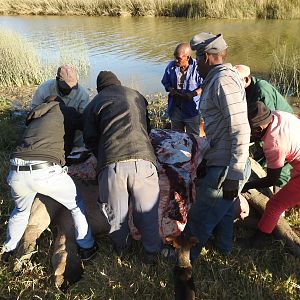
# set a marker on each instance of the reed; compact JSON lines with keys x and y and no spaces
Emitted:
{"x":264,"y":9}
{"x":285,"y":71}
{"x":20,"y":64}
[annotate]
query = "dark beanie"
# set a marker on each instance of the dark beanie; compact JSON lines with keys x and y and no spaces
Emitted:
{"x":259,"y":114}
{"x":106,"y":78}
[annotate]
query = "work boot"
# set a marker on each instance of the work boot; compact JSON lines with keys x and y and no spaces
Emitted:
{"x":88,"y":253}
{"x":150,"y":259}
{"x":5,"y":257}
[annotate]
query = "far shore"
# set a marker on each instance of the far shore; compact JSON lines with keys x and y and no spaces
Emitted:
{"x":233,"y":9}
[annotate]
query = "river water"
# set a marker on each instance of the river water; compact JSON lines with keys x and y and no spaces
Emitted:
{"x":138,"y":49}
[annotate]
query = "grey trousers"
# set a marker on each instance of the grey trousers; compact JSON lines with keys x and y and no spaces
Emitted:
{"x":134,"y":181}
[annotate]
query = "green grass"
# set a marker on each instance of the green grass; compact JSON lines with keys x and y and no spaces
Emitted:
{"x":271,"y":273}
{"x":263,"y":9}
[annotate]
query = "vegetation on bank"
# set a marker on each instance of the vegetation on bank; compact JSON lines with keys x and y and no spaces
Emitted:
{"x":20,"y":64}
{"x":285,"y":71}
{"x":261,"y":9}
{"x":272,"y":273}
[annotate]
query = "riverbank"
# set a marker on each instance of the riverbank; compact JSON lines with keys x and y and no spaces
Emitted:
{"x":229,"y":9}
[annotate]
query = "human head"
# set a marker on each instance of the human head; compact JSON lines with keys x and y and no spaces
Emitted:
{"x":210,"y":50}
{"x":66,"y":79}
{"x":105,"y":79}
{"x":244,"y":73}
{"x":182,"y":54}
{"x":259,"y":116}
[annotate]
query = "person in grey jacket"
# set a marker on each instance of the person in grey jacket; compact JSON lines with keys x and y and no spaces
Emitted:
{"x":116,"y":129}
{"x":224,"y":109}
{"x":66,"y":86}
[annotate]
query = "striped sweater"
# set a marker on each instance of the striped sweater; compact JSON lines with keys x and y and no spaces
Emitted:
{"x":224,"y":109}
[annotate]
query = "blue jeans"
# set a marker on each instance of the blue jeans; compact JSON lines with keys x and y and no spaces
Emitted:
{"x":52,"y":181}
{"x":211,"y":214}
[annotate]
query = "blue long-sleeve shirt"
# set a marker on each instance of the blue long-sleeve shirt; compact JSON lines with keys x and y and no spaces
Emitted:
{"x":192,"y":81}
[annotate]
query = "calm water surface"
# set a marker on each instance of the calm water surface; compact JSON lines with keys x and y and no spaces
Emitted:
{"x":138,"y":49}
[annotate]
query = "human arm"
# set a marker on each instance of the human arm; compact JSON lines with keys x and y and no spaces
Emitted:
{"x":84,"y":99}
{"x":90,"y":129}
{"x":37,"y":98}
{"x":268,"y":181}
{"x":169,"y":79}
{"x":233,"y":107}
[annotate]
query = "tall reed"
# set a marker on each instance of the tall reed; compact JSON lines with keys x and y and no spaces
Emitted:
{"x":20,"y":64}
{"x":265,"y":9}
{"x":285,"y":71}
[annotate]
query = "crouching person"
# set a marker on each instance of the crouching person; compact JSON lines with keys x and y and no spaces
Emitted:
{"x":37,"y":167}
{"x":116,"y":129}
{"x":280,"y":133}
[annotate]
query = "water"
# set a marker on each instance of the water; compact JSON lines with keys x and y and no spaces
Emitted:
{"x":138,"y":49}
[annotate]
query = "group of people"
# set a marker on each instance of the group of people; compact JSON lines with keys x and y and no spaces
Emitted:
{"x":236,"y":109}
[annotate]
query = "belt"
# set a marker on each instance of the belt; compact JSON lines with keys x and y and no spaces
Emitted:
{"x":32,"y":167}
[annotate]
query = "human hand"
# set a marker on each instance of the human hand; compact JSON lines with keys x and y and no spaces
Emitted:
{"x":230,"y":189}
{"x":173,"y":92}
{"x":190,"y":95}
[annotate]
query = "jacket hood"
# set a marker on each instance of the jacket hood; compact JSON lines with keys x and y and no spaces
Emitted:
{"x":105,"y":79}
{"x":39,"y":111}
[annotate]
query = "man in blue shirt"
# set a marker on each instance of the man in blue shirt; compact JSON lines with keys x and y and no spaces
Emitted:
{"x":183,"y":82}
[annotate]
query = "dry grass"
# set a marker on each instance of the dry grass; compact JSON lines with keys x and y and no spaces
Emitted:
{"x":264,"y":9}
{"x":285,"y":72}
{"x":20,"y":64}
{"x":271,"y":273}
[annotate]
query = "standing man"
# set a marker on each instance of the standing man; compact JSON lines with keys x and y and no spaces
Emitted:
{"x":37,"y":167}
{"x":116,"y":128}
{"x":183,"y":82}
{"x":224,"y":109}
{"x":261,"y":90}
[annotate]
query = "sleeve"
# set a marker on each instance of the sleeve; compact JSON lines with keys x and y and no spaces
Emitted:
{"x":233,"y":105}
{"x":84,"y":101}
{"x":166,"y":80}
{"x":275,"y":155}
{"x":148,"y":123}
{"x":90,"y":129}
{"x":38,"y":97}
